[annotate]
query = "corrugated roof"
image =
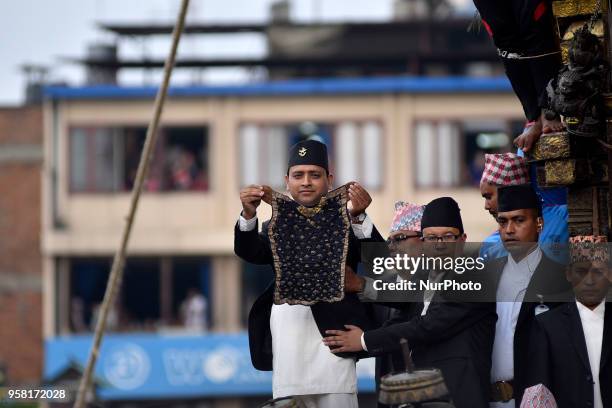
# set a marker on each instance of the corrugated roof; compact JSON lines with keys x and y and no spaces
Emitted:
{"x":298,"y":87}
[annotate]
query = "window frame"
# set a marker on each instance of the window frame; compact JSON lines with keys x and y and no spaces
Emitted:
{"x":334,"y":123}
{"x":115,"y":126}
{"x":435,"y":122}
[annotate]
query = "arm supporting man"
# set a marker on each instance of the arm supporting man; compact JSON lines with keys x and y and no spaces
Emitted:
{"x":442,"y":321}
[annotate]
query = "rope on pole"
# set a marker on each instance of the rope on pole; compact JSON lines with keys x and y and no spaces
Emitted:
{"x":116,"y":274}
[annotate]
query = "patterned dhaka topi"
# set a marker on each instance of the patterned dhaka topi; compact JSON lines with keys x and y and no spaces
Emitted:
{"x":538,"y":396}
{"x":505,"y":169}
{"x":586,"y":248}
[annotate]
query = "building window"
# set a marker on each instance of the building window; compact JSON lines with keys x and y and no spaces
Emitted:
{"x":156,"y":294}
{"x":105,"y":159}
{"x":255,"y":280}
{"x":355,"y":151}
{"x":190,"y":294}
{"x":451,"y":153}
{"x":140,"y":295}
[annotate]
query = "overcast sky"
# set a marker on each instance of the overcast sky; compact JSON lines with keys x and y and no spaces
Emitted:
{"x":42,"y":32}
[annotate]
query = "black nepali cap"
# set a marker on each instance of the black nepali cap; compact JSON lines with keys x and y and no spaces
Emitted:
{"x":519,"y":197}
{"x":442,"y":212}
{"x":308,"y":152}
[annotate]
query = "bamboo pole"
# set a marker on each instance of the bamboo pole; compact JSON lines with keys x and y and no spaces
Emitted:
{"x":116,"y":274}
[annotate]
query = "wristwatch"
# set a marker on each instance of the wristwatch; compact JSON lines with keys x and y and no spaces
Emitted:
{"x":359,"y":219}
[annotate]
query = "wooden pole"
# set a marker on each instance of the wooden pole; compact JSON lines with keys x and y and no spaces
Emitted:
{"x":116,"y":274}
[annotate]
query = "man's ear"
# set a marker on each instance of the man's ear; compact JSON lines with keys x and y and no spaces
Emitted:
{"x":287,"y":182}
{"x":540,"y":222}
{"x":330,"y":181}
{"x":609,"y":272}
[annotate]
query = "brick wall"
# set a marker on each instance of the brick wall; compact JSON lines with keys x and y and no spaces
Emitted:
{"x":21,"y":124}
{"x":21,"y":349}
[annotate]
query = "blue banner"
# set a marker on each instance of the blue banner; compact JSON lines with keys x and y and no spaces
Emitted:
{"x":151,"y":366}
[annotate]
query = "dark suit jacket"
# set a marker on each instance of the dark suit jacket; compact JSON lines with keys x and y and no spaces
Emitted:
{"x":559,"y":358}
{"x":548,"y":280}
{"x":455,"y":337}
{"x":392,"y":362}
{"x":254,"y":247}
{"x":387,"y":313}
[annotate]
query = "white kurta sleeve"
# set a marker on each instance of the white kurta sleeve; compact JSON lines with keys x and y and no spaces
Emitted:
{"x":247,"y":225}
{"x":363,"y":230}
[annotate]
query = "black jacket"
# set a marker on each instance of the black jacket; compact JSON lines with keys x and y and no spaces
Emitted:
{"x":560,"y":361}
{"x":392,"y":362}
{"x":453,"y":336}
{"x":254,"y":247}
{"x":548,"y":280}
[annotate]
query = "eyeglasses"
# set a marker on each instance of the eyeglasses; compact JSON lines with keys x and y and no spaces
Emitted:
{"x":443,"y":238}
{"x":396,"y":239}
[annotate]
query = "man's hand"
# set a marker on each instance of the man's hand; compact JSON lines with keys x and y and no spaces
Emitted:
{"x":340,"y":341}
{"x":353,"y":283}
{"x":267,"y":197}
{"x":359,"y":199}
{"x":251,"y":196}
{"x":529,"y":137}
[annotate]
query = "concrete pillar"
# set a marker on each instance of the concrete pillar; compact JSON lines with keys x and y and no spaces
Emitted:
{"x":226,"y":293}
{"x":62,"y":285}
{"x":48,"y":273}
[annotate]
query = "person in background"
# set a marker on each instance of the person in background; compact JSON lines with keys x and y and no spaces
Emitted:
{"x":404,"y":238}
{"x":505,"y":169}
{"x":509,"y":169}
{"x":194,"y":311}
{"x":526,"y":282}
{"x":571,"y":349}
{"x":443,"y":332}
{"x":525,"y":36}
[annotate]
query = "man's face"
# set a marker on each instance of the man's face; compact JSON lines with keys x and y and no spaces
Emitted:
{"x":488,"y":191}
{"x":308,"y":183}
{"x":518,"y":229}
{"x":404,"y":242}
{"x":590,"y":280}
{"x":442,"y":241}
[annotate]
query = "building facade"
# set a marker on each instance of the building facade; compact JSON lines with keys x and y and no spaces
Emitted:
{"x":403,"y":138}
{"x":21,"y":351}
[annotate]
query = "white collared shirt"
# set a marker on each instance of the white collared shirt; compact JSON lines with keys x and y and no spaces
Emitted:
{"x":593,"y":327}
{"x":510,"y":293}
{"x":428,"y":294}
{"x":361,"y":231}
{"x":301,"y":363}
